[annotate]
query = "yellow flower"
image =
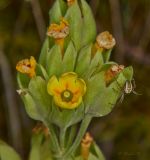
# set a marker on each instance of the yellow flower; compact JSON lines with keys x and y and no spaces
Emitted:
{"x":70,"y":2}
{"x":67,"y":91}
{"x":105,"y":41}
{"x":85,"y":146}
{"x":27,"y":66}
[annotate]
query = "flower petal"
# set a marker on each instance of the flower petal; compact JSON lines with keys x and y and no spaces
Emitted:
{"x":53,"y":86}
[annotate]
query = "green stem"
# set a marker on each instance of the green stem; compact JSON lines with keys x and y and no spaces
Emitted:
{"x":54,"y":140}
{"x":83,"y":128}
{"x":62,"y":138}
{"x":71,"y":135}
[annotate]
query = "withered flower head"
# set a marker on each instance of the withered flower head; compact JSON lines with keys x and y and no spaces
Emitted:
{"x":85,"y":146}
{"x":105,"y":40}
{"x":112,"y":72}
{"x":59,"y":31}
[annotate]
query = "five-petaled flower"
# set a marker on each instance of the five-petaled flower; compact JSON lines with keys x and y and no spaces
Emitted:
{"x":105,"y":41}
{"x":67,"y":91}
{"x":27,"y":66}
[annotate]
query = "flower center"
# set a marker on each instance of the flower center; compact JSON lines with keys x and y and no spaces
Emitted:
{"x":66,"y":96}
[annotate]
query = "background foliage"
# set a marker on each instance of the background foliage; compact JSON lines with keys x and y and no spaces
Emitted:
{"x":123,"y":134}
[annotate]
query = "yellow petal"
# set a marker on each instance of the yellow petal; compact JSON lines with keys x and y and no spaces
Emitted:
{"x":66,"y":105}
{"x":32,"y":62}
{"x":53,"y":86}
{"x":67,"y":79}
{"x":81,"y":85}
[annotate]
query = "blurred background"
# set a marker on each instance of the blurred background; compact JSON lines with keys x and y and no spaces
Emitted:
{"x":122,"y":135}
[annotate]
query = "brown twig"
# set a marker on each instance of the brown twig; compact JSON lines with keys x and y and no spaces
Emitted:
{"x":38,"y":16}
{"x":117,"y":29}
{"x":13,"y":120}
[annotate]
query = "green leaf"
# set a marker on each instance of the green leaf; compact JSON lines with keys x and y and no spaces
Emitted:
{"x":8,"y":153}
{"x":96,"y":64}
{"x":69,"y":58}
{"x":35,"y":147}
{"x":55,"y":13}
{"x":106,"y":55}
{"x":128,"y":73}
{"x":74,"y":18}
{"x":40,"y":71}
{"x":108,"y":96}
{"x":89,"y":25}
{"x":23,"y":80}
{"x":54,"y":61}
{"x":38,"y":91}
{"x":98,"y":152}
{"x":44,"y":52}
{"x":95,"y":85}
{"x":65,"y":117}
{"x":31,"y":107}
{"x":83,"y":60}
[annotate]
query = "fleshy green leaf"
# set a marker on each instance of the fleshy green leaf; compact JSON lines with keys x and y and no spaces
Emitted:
{"x":23,"y":80}
{"x":108,"y":96}
{"x":31,"y":107}
{"x":44,"y":52}
{"x":128,"y":73}
{"x":69,"y":58}
{"x":38,"y":91}
{"x":73,"y":15}
{"x":98,"y":151}
{"x":89,"y":25}
{"x":96,"y":64}
{"x":106,"y":55}
{"x":8,"y":153}
{"x":55,"y":13}
{"x":65,"y":117}
{"x":54,"y":61}
{"x":95,"y":86}
{"x":83,"y":60}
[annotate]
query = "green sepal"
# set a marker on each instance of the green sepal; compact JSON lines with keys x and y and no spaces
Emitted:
{"x":40,"y":71}
{"x":95,"y":85}
{"x":128,"y":73}
{"x":96,"y":151}
{"x":66,"y":117}
{"x":30,"y":107}
{"x":40,"y":148}
{"x":89,"y":25}
{"x":69,"y":58}
{"x":73,"y":15}
{"x":7,"y":152}
{"x":55,"y":12}
{"x":108,"y":96}
{"x":96,"y":64}
{"x":106,"y":55}
{"x":83,"y":61}
{"x":54,"y":61}
{"x":23,"y":80}
{"x":38,"y":91}
{"x":44,"y":52}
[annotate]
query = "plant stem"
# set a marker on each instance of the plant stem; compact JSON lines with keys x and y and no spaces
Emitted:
{"x":83,"y":128}
{"x":54,"y":140}
{"x":71,"y":135}
{"x":62,"y":138}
